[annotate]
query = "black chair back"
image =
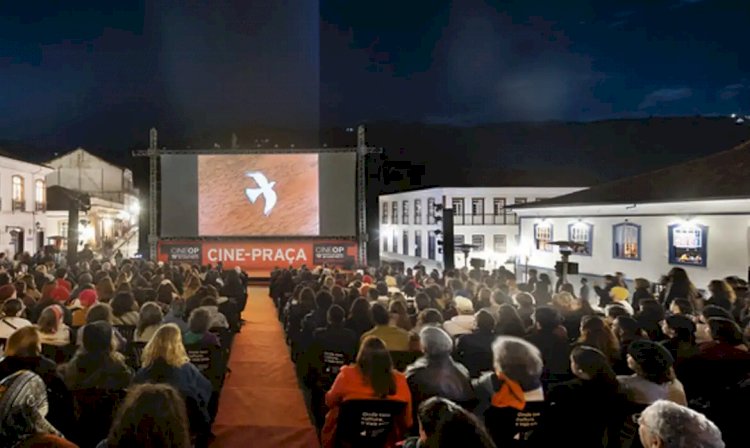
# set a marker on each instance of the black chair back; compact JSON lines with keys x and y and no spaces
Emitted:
{"x":210,"y":361}
{"x":127,"y":331}
{"x":135,"y":353}
{"x":94,"y":412}
{"x":401,"y":360}
{"x":58,"y":353}
{"x":331,"y":363}
{"x":367,"y":423}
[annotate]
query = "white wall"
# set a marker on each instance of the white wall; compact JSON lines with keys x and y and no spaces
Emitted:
{"x":28,"y":218}
{"x":488,"y":230}
{"x":728,"y":251}
{"x":81,"y":171}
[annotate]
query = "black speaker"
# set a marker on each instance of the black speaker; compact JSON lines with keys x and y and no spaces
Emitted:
{"x":449,"y":259}
{"x":477,"y":263}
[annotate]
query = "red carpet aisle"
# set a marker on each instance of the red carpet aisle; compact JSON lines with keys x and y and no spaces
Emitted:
{"x":261,"y":404}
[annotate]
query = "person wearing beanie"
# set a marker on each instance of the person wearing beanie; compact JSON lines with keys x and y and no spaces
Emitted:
{"x":97,"y":364}
{"x":7,"y":292}
{"x":654,"y":377}
{"x":86,"y":300}
{"x":464,"y":322}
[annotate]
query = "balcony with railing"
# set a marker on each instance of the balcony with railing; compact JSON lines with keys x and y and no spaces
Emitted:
{"x":468,"y":219}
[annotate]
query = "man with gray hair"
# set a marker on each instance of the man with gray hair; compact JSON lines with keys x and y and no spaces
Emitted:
{"x":510,"y":399}
{"x":665,"y":424}
{"x":435,"y":373}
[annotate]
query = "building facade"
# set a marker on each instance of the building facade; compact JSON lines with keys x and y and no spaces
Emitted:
{"x":22,"y":206}
{"x":409,"y":234}
{"x":112,"y":221}
{"x":694,"y":215}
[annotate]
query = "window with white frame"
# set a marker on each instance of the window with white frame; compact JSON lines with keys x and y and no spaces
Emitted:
{"x":384,"y":217}
{"x":405,"y":212}
{"x":499,"y":212}
{"x":40,"y":194}
{"x":583,"y":234}
{"x":394,"y":212}
{"x":405,"y":243}
{"x":417,"y":211}
{"x":626,"y":241}
{"x":430,"y":210}
{"x":17,"y":193}
{"x":543,"y":236}
{"x":417,"y":243}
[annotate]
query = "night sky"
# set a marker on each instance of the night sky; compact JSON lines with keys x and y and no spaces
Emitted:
{"x":99,"y":74}
{"x":474,"y":61}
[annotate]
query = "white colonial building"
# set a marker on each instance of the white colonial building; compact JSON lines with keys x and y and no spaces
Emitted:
{"x":113,"y":217}
{"x":695,"y":215}
{"x":408,"y":228}
{"x":22,"y":205}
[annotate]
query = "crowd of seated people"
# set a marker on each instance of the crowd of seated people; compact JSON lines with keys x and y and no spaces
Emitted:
{"x":99,"y":353}
{"x":476,"y":358}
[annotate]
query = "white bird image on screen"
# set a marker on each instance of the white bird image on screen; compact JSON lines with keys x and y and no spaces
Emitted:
{"x":265,"y":188}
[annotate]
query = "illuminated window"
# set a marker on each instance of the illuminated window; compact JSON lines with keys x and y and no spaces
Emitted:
{"x":40,"y":194}
{"x":417,"y":211}
{"x":687,"y":244}
{"x":543,"y":236}
{"x":626,"y":241}
{"x":17,"y":193}
{"x":582,"y":233}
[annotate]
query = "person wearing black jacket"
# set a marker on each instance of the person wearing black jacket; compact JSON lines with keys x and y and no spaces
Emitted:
{"x":316,"y":318}
{"x":550,"y":337}
{"x":579,"y":401}
{"x":474,"y":350}
{"x":435,"y":374}
{"x":332,"y":347}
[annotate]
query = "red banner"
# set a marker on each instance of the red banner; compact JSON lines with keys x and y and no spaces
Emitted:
{"x":261,"y":255}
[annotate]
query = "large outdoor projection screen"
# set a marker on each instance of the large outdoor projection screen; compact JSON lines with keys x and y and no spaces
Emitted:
{"x":258,"y":195}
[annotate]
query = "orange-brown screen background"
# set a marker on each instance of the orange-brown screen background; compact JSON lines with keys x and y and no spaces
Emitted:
{"x":224,"y":209}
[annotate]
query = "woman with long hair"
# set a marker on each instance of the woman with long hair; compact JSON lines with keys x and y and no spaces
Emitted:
{"x":192,"y":284}
{"x":444,"y":424}
{"x":152,"y":416}
{"x":399,"y":315}
{"x":371,"y":377}
{"x":722,"y":295}
{"x":578,"y":401}
{"x":105,"y":289}
{"x":679,"y":286}
{"x":164,"y":360}
{"x":595,"y":333}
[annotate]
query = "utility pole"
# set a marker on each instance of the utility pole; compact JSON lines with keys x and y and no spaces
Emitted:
{"x":153,"y":194}
{"x":362,"y":236}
